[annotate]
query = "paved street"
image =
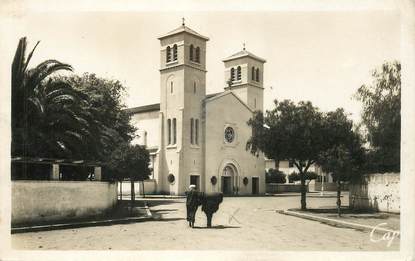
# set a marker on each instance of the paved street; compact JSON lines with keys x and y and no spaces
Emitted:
{"x":246,"y":223}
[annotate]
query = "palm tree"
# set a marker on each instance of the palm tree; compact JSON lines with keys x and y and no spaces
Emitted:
{"x":47,"y":115}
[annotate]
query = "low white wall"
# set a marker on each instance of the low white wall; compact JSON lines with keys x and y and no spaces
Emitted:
{"x":43,"y":201}
{"x":149,"y":187}
{"x":280,"y":188}
{"x":379,"y":192}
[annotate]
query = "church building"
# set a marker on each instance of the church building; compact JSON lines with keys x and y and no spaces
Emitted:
{"x":198,"y":138}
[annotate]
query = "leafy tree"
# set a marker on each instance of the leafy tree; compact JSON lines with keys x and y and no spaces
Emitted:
{"x":274,"y":176}
{"x":130,"y":162}
{"x":310,"y":175}
{"x":345,"y":156}
{"x":382,"y":116}
{"x":109,"y":123}
{"x":290,"y":132}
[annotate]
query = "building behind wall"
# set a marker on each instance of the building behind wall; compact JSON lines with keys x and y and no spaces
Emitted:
{"x":200,"y":139}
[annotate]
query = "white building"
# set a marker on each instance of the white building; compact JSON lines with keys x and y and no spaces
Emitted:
{"x":200,"y":139}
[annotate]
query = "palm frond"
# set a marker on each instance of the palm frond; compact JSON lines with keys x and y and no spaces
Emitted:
{"x":30,"y":56}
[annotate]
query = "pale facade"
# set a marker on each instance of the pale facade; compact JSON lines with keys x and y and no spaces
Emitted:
{"x":196,"y":138}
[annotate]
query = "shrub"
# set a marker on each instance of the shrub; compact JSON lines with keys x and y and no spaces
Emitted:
{"x":274,"y":176}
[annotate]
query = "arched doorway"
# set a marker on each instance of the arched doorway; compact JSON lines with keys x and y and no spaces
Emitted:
{"x":229,"y":179}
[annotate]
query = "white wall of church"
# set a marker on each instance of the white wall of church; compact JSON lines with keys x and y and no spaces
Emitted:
{"x":147,"y":124}
{"x":220,"y":113}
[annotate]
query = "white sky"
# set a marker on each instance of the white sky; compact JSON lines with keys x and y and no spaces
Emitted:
{"x":318,"y":56}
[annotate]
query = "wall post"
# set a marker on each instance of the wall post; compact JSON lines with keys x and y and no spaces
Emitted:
{"x":97,"y":173}
{"x":54,"y":174}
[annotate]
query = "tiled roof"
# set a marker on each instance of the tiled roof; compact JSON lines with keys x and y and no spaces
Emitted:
{"x":244,"y":53}
{"x":186,"y":29}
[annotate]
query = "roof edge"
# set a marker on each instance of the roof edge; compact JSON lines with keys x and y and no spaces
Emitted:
{"x":144,"y":108}
{"x":227,"y":93}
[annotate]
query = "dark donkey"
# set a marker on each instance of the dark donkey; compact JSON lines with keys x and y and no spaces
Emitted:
{"x":210,"y":204}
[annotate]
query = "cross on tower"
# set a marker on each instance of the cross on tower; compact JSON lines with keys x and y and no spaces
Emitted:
{"x":243,"y":45}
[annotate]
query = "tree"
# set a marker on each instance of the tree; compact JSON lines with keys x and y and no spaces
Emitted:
{"x":130,"y":162}
{"x":70,"y":117}
{"x":289,"y":132}
{"x":345,"y":156}
{"x":108,"y":121}
{"x":382,"y":116}
{"x":310,"y":175}
{"x":41,"y":104}
{"x":274,"y":176}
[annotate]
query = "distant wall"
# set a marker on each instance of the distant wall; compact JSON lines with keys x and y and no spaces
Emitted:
{"x":280,"y":188}
{"x":44,"y":201}
{"x":379,"y":192}
{"x":149,"y":187}
{"x":330,"y":186}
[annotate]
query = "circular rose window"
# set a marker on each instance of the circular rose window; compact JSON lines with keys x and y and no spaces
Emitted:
{"x":229,"y":134}
{"x":170,"y":178}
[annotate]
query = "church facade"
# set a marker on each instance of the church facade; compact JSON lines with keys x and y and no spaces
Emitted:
{"x":200,"y":139}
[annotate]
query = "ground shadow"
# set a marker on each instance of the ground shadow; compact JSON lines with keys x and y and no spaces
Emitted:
{"x":346,"y":212}
{"x":157,"y":202}
{"x":216,"y":227}
{"x":167,"y":219}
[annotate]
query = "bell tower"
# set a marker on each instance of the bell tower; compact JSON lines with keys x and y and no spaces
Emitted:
{"x":182,"y":90}
{"x":244,"y":76}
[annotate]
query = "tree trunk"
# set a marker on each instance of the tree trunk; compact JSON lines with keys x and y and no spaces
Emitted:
{"x":144,"y":193}
{"x":339,"y":203}
{"x":303,"y":192}
{"x":132,"y":195}
{"x":121,"y":189}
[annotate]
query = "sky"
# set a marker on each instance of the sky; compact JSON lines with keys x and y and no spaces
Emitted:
{"x":323,"y":57}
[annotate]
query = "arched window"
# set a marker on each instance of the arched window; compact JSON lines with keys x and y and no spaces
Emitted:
{"x":171,"y":87}
{"x":253,"y":73}
{"x":175,"y":52}
{"x":238,"y":73}
{"x":191,"y":131}
{"x":232,"y":74}
{"x":194,"y":87}
{"x":191,"y":52}
{"x":197,"y":54}
{"x":257,"y":75}
{"x":174,"y":131}
{"x":168,"y":54}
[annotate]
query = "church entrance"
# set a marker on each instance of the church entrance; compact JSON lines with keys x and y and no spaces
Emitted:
{"x":255,"y":185}
{"x":229,"y":179}
{"x":226,"y":185}
{"x":195,"y":180}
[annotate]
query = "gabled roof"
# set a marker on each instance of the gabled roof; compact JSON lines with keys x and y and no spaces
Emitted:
{"x":182,"y":29}
{"x":228,"y":93}
{"x":244,"y":53}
